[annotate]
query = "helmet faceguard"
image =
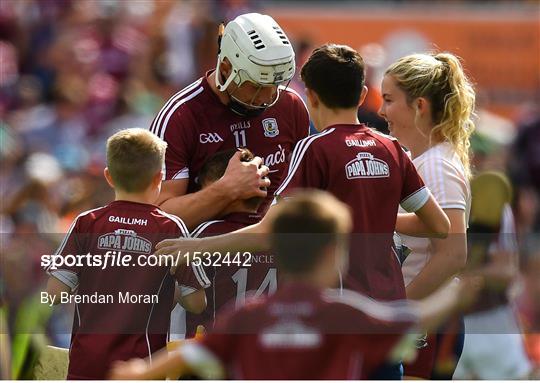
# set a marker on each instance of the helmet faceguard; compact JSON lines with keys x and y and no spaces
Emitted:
{"x":259,"y":52}
{"x":250,"y":108}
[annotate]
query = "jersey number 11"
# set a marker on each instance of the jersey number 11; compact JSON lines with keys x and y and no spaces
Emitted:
{"x":240,"y":138}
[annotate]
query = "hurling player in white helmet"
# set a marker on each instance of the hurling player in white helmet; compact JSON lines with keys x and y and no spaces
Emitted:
{"x":243,"y":102}
{"x":257,"y":58}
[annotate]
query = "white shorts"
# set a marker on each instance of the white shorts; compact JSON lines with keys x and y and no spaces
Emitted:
{"x":493,"y":347}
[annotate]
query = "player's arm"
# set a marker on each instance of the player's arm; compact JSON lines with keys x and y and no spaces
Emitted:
{"x":163,"y":364}
{"x":241,"y":180}
{"x":194,"y":303}
{"x":448,"y":257}
{"x":65,"y":279}
{"x":190,"y":357}
{"x":55,"y":288}
{"x":191,"y":280}
{"x":455,"y":296}
{"x":428,"y":221}
{"x":255,"y":237}
{"x":252,"y":238}
{"x":193,"y":208}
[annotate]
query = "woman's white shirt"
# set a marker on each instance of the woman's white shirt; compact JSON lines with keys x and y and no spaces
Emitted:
{"x":444,"y":175}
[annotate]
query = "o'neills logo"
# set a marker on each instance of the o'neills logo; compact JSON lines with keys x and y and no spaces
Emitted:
{"x":365,"y":165}
{"x":240,"y":125}
{"x":126,"y":240}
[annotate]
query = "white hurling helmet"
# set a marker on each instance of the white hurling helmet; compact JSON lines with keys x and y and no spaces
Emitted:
{"x":258,"y":50}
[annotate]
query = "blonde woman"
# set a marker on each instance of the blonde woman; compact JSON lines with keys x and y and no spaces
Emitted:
{"x":428,"y":103}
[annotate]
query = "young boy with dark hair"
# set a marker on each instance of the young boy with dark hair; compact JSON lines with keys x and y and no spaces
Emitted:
{"x":214,"y":168}
{"x":361,"y":167}
{"x":230,"y":281}
{"x":123,"y":303}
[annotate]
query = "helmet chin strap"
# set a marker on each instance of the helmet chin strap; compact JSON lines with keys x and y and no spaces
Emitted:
{"x":234,"y":104}
{"x":243,"y":110}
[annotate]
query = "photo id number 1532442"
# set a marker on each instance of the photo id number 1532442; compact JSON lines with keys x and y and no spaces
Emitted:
{"x":218,"y":259}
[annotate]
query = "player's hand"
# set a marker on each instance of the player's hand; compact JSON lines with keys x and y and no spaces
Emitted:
{"x":128,"y":370}
{"x":500,"y":270}
{"x":243,"y":180}
{"x":177,"y":252}
{"x":467,"y":290}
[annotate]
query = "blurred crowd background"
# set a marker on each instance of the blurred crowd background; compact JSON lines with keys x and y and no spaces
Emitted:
{"x":74,"y":71}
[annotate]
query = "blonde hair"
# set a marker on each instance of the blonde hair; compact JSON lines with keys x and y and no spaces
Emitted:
{"x":134,"y":157}
{"x":439,"y":77}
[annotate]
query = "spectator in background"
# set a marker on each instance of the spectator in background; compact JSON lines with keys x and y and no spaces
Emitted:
{"x":524,"y":170}
{"x":368,"y":112}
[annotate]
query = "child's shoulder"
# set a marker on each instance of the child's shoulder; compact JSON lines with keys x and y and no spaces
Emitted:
{"x":154,"y":218}
{"x":167,"y":219}
{"x":91,"y":215}
{"x":380,"y":135}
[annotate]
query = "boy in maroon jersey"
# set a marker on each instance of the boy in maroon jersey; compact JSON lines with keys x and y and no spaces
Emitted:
{"x":122,"y":308}
{"x":305,"y":330}
{"x":368,"y":171}
{"x":230,"y":281}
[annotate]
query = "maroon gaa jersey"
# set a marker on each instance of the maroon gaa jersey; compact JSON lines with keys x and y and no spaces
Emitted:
{"x":301,"y":332}
{"x":254,"y":275}
{"x":123,"y":310}
{"x":372,"y":174}
{"x":195,"y":125}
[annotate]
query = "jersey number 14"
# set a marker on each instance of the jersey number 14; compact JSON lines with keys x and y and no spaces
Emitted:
{"x":268,"y":285}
